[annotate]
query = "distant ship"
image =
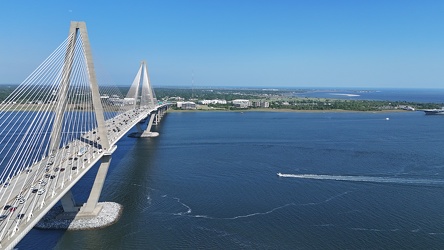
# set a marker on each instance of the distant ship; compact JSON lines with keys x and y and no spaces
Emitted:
{"x":434,"y":111}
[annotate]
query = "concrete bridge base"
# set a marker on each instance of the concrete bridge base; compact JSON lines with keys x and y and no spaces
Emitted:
{"x":143,"y":134}
{"x":57,"y":219}
{"x":149,"y":134}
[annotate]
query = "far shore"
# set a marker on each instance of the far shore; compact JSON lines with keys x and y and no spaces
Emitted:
{"x":286,"y":110}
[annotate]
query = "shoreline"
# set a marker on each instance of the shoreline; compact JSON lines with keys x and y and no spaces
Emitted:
{"x":286,"y":110}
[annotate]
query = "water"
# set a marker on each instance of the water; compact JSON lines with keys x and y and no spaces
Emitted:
{"x":385,"y":94}
{"x":209,"y":181}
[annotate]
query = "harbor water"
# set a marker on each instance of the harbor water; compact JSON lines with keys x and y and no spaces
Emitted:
{"x":349,"y":180}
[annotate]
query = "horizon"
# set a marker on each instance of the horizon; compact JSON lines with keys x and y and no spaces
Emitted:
{"x":267,"y":88}
{"x":318,"y":44}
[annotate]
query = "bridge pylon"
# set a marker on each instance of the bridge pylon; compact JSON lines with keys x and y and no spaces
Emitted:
{"x":90,"y":208}
{"x":143,"y":96}
{"x":56,"y":126}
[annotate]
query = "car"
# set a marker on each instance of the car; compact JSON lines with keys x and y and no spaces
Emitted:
{"x":34,"y":190}
{"x":42,"y":182}
{"x":41,"y":191}
{"x":12,"y":209}
{"x":56,"y":169}
{"x":3,"y":216}
{"x":6,"y":184}
{"x":62,"y":169}
{"x":52,"y":177}
{"x":28,"y":170}
{"x":7,"y":207}
{"x":20,"y":199}
{"x":74,"y":168}
{"x":47,"y":175}
{"x":20,"y":216}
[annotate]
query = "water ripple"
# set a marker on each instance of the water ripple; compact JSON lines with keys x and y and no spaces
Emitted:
{"x":188,"y":212}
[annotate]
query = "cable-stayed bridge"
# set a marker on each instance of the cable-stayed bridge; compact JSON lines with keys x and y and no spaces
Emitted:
{"x":55,"y":126}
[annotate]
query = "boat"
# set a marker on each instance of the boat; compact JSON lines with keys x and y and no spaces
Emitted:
{"x":434,"y":111}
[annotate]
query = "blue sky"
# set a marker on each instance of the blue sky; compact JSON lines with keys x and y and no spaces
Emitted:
{"x":311,"y":43}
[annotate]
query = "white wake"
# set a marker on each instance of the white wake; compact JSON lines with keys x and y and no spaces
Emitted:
{"x":374,"y":179}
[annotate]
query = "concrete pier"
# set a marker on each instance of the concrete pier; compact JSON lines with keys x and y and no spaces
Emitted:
{"x":57,"y":219}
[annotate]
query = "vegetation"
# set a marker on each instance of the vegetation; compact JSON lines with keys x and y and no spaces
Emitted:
{"x":5,"y":90}
{"x":217,"y":93}
{"x":277,"y":99}
{"x":283,"y":99}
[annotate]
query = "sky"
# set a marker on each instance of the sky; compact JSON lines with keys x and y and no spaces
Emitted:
{"x":248,"y":43}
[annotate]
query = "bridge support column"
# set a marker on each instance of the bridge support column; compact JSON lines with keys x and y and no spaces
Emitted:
{"x":90,"y":208}
{"x":147,"y":132}
{"x":160,"y":114}
{"x":68,"y":203}
{"x":139,"y":128}
{"x":156,"y":118}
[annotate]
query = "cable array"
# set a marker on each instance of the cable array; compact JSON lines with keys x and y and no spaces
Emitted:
{"x":34,"y":157}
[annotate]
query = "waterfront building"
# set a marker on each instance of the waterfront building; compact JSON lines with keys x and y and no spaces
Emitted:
{"x":215,"y":101}
{"x":186,"y":105}
{"x":261,"y":104}
{"x":241,"y":103}
{"x":265,"y":105}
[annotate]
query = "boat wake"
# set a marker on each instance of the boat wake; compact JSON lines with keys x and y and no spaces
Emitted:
{"x":348,"y":95}
{"x":329,"y":199}
{"x":374,"y":179}
{"x":183,"y":204}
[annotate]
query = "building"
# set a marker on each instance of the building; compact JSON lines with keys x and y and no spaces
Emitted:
{"x":215,"y":101}
{"x":265,"y":104}
{"x":241,"y":103}
{"x":261,"y":104}
{"x":186,"y":105}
